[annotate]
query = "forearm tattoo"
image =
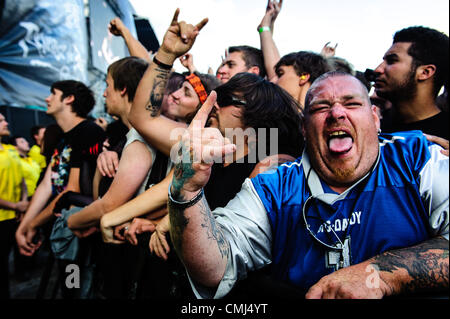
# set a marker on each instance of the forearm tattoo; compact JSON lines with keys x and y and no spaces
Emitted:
{"x":157,"y":92}
{"x":427,"y":265}
{"x":183,"y":172}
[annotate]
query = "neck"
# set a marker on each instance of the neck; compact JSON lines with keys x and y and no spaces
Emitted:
{"x":68,"y":121}
{"x":302,"y":94}
{"x":124,"y":116}
{"x":421,"y":107}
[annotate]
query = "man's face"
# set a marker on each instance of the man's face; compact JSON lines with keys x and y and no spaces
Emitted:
{"x":289,"y":80}
{"x":226,"y":115}
{"x":395,"y":78}
{"x":113,"y":97}
{"x":341,"y":131}
{"x":232,"y":65}
{"x":4,"y":131}
{"x":22,"y":145}
{"x":54,"y":102}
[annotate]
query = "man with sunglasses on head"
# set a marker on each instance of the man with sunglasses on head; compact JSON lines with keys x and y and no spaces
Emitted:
{"x":359,"y":215}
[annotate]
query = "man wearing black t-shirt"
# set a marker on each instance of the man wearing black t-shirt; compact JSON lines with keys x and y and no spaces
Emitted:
{"x":411,"y":75}
{"x":69,"y":103}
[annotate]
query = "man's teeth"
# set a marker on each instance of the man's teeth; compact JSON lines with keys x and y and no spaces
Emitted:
{"x":338,"y":133}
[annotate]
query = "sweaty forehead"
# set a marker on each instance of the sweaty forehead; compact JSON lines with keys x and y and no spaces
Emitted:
{"x":337,"y":87}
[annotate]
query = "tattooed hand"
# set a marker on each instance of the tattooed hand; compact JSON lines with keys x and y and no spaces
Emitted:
{"x":180,"y":37}
{"x":198,"y":149}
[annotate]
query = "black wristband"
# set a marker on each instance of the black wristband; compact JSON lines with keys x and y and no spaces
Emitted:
{"x":162,"y":65}
{"x":183,"y":205}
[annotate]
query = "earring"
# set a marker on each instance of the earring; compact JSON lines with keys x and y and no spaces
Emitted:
{"x":379,"y":131}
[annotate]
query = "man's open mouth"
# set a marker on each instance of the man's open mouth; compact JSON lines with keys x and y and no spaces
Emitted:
{"x":340,"y":142}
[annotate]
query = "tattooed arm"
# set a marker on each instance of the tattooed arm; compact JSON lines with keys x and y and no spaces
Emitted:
{"x":423,"y":267}
{"x":145,"y":111}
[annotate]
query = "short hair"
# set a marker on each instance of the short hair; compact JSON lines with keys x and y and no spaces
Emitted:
{"x":328,"y":75}
{"x":174,"y":82}
{"x":251,"y":56}
{"x":267,"y":106}
{"x":13,"y":140}
{"x":305,"y":62}
{"x":84,"y":100}
{"x":429,"y":46}
{"x":126,"y":73}
{"x":340,"y":64}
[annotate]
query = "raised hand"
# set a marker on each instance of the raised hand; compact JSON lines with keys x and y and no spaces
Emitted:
{"x":328,"y":51}
{"x":272,"y":10}
{"x":180,"y":36}
{"x":117,"y":27}
{"x":187,"y":60}
{"x":197,"y":151}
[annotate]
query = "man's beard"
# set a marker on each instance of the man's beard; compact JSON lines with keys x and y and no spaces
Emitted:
{"x":404,"y":91}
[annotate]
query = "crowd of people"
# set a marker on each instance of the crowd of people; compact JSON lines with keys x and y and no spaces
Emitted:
{"x":289,"y":176}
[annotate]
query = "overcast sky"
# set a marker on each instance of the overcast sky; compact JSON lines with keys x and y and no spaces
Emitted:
{"x":363,"y":29}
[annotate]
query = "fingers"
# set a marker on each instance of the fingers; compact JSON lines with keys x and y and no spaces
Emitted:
{"x":175,"y":17}
{"x":201,"y":24}
{"x":203,"y":113}
{"x":315,"y":292}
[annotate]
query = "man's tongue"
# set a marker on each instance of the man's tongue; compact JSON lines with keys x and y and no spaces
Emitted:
{"x":340,"y":145}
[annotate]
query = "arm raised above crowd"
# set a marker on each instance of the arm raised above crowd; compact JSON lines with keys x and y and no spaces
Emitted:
{"x":268,"y":46}
{"x":145,"y":112}
{"x":135,"y":47}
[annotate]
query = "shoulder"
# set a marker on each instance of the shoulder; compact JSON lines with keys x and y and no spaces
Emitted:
{"x":271,"y":163}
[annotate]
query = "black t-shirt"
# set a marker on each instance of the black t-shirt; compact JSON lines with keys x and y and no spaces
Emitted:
{"x":437,"y":125}
{"x":225,"y":182}
{"x":79,"y":146}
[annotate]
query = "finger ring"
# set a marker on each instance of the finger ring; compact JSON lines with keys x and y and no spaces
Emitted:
{"x":126,"y":228}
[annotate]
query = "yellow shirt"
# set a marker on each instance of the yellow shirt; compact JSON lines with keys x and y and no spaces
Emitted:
{"x":10,"y":179}
{"x":35,"y":154}
{"x":31,"y":172}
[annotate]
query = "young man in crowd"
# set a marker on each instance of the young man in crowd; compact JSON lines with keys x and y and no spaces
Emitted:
{"x":69,"y":103}
{"x":412,"y":73}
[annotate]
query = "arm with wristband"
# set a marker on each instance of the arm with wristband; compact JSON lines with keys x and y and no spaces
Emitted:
{"x":145,"y":112}
{"x":268,"y":46}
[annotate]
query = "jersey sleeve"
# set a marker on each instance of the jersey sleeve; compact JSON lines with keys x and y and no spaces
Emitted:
{"x":434,"y":189}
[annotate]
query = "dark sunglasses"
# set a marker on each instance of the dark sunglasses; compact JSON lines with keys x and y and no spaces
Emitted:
{"x":227,"y":100}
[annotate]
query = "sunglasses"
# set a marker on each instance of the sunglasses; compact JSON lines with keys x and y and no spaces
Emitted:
{"x":227,"y":100}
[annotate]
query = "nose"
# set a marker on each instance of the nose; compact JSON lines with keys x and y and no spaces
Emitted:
{"x":380,"y":68}
{"x":104,"y":93}
{"x":337,"y":112}
{"x":47,"y":99}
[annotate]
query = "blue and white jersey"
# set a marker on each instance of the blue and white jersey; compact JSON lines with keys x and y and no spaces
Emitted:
{"x":401,"y":202}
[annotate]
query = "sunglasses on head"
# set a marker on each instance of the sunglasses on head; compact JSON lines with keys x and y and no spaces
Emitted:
{"x":227,"y":100}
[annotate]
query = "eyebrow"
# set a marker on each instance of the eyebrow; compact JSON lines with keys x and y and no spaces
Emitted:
{"x":326,"y":101}
{"x":390,"y":55}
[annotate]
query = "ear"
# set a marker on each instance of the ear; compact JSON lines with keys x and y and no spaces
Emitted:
{"x":376,"y":118}
{"x":303,"y":79}
{"x":123,"y":92}
{"x":254,"y":70}
{"x":425,"y":72}
{"x":69,"y":99}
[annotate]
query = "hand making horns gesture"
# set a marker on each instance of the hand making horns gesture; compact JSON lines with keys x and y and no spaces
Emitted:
{"x":199,"y":148}
{"x":180,"y":36}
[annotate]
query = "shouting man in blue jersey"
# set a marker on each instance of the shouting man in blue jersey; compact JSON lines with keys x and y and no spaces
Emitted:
{"x":359,"y":215}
